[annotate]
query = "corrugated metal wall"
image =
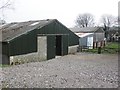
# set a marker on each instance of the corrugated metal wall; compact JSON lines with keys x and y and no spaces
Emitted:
{"x":58,"y":28}
{"x":23,"y":44}
{"x":50,"y":47}
{"x":5,"y":48}
{"x":98,"y":37}
{"x":83,"y":40}
{"x":5,"y":53}
{"x":27,"y":42}
{"x":73,"y":39}
{"x":65,"y":44}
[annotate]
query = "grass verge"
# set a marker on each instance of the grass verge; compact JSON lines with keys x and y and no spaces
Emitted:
{"x":110,"y":48}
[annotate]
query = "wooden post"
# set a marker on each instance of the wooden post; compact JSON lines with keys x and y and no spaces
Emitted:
{"x":93,"y":45}
{"x":96,"y":44}
{"x":101,"y":43}
{"x":99,"y":50}
{"x":119,"y":39}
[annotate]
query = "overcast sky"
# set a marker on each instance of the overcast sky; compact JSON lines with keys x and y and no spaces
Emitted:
{"x":65,"y":11}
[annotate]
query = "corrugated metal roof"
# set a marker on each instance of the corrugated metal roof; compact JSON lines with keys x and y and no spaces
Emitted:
{"x":86,"y":29}
{"x":83,"y":34}
{"x":12,"y":30}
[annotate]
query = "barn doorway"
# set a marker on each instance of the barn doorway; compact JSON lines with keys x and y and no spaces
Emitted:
{"x":58,"y":45}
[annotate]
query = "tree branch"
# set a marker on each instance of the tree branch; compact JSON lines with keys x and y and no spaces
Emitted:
{"x":6,"y":5}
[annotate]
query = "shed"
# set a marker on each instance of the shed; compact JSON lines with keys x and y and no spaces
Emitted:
{"x":85,"y":40}
{"x":35,"y":40}
{"x":92,"y":37}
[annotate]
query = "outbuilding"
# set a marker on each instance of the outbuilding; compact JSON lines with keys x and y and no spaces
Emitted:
{"x":35,"y":41}
{"x":85,"y":40}
{"x":90,"y":37}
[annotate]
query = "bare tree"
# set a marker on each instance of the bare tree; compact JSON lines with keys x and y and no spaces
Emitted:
{"x":5,"y":5}
{"x":85,"y":20}
{"x":107,"y":22}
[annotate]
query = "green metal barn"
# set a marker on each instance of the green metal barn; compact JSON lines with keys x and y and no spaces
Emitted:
{"x":21,"y":38}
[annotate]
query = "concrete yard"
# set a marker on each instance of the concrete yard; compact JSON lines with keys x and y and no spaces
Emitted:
{"x":82,"y":70}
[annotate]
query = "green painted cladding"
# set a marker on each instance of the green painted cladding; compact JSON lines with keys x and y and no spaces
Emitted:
{"x":5,"y":53}
{"x":27,"y":43}
{"x":50,"y":47}
{"x":58,"y":28}
{"x":65,"y":43}
{"x":5,"y":48}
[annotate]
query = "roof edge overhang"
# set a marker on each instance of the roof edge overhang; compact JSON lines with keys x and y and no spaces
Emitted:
{"x":65,"y":27}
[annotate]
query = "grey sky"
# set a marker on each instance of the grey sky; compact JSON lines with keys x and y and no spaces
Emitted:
{"x":65,"y":11}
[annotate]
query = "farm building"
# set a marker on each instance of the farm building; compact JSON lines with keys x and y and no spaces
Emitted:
{"x":86,"y":40}
{"x":90,"y":37}
{"x":35,"y":41}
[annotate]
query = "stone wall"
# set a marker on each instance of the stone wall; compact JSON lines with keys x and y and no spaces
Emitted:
{"x":38,"y":56}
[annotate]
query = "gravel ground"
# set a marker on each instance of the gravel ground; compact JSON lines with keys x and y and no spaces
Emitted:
{"x":72,"y":71}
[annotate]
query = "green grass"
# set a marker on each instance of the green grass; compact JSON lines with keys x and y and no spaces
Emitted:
{"x":112,"y":45}
{"x":91,"y":50}
{"x":110,"y":48}
{"x":2,"y":66}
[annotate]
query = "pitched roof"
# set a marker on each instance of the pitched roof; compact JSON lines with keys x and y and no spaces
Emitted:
{"x":12,"y":30}
{"x":86,"y":29}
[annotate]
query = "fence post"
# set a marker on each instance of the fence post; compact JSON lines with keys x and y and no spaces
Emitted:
{"x":96,"y":44}
{"x":93,"y":45}
{"x":99,"y":50}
